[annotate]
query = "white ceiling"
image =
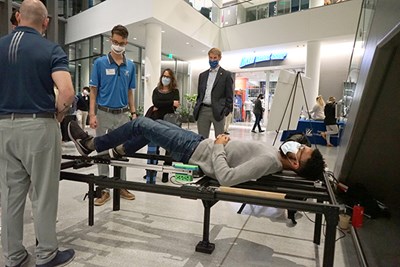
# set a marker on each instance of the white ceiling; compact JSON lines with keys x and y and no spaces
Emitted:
{"x":173,"y":42}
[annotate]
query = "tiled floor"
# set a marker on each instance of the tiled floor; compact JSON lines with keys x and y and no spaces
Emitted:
{"x":160,"y":230}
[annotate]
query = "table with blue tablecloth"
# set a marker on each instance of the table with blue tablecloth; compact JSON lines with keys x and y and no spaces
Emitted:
{"x":313,"y":131}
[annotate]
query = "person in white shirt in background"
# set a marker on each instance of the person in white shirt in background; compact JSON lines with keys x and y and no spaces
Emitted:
{"x":317,"y":112}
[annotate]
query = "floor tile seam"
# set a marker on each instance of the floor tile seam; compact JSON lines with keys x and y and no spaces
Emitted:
{"x":280,"y":236}
{"x":234,"y":241}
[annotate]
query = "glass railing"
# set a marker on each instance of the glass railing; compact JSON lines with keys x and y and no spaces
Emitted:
{"x":221,"y":12}
{"x":364,"y":24}
{"x":69,"y":8}
{"x":233,"y":13}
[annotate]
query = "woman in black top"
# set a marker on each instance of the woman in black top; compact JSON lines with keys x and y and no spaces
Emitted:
{"x":165,"y":100}
{"x":330,"y":120}
{"x":165,"y":96}
{"x":258,"y":111}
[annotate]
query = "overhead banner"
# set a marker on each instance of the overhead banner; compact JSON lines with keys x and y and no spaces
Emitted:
{"x":254,"y":60}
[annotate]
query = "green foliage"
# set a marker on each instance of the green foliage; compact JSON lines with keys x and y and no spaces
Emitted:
{"x":186,"y":109}
{"x":139,"y":111}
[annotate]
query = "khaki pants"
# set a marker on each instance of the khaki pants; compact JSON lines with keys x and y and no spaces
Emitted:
{"x":30,"y":154}
{"x":204,"y":121}
{"x":109,"y":121}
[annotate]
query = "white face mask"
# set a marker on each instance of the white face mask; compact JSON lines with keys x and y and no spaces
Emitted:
{"x":290,"y":146}
{"x":165,"y":81}
{"x":117,"y":49}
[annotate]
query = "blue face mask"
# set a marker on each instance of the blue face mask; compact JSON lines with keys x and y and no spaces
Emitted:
{"x":290,"y":146}
{"x":165,"y":81}
{"x":213,"y":64}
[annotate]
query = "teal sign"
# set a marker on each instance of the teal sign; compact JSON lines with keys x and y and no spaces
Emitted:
{"x":246,"y":61}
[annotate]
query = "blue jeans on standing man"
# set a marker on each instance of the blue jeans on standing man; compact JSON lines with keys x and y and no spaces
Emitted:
{"x":137,"y":133}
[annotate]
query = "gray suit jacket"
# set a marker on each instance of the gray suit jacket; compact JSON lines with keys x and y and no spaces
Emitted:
{"x":221,"y":94}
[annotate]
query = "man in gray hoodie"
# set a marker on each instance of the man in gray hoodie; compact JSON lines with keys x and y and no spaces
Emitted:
{"x":229,"y":161}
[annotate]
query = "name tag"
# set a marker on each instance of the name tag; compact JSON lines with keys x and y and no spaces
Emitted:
{"x":110,"y":71}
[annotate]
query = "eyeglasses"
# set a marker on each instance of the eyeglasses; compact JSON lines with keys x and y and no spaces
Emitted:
{"x":118,"y":43}
{"x":301,"y":151}
{"x":165,"y":76}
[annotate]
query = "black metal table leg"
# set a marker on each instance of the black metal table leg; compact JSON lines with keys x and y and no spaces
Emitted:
{"x":332,"y":219}
{"x":205,"y":246}
{"x":116,"y":191}
{"x":91,"y":203}
{"x":318,"y":227}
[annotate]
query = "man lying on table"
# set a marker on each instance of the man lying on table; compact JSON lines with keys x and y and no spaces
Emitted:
{"x":231,"y":162}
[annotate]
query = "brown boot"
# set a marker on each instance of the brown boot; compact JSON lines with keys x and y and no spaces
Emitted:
{"x":125,"y":194}
{"x":105,"y":196}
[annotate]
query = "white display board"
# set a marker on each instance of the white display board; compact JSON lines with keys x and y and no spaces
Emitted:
{"x":289,"y":98}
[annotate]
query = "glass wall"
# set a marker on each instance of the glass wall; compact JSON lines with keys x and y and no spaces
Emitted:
{"x":247,"y":11}
{"x":82,"y":54}
{"x":363,"y":28}
{"x":69,"y":8}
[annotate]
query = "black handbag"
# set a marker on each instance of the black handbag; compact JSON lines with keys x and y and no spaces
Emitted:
{"x":173,"y":118}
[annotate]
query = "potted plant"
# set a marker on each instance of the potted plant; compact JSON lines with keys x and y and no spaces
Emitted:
{"x":186,"y":110}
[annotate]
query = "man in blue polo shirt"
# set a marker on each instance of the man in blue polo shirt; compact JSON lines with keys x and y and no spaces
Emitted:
{"x":111,"y":97}
{"x":30,"y":147}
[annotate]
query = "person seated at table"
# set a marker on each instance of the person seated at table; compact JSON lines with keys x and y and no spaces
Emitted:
{"x":229,"y":161}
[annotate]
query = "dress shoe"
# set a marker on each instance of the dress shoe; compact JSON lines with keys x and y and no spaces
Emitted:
{"x":125,"y":194}
{"x":105,"y":196}
{"x":253,"y":131}
{"x":261,"y":131}
{"x":61,"y":259}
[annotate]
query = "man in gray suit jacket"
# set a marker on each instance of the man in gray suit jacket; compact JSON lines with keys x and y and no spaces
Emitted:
{"x":214,"y":96}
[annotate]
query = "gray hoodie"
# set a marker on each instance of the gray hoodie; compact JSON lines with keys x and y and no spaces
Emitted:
{"x":237,"y":161}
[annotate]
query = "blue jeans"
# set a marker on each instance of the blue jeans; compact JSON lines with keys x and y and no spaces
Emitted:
{"x":137,"y":133}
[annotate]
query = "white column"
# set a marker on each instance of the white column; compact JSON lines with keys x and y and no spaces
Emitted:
{"x":85,"y":75}
{"x":266,"y":96}
{"x":313,"y":66}
{"x":152,"y":61}
{"x":316,"y":3}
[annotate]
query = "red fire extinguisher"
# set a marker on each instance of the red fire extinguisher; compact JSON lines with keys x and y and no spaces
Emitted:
{"x":357,"y":218}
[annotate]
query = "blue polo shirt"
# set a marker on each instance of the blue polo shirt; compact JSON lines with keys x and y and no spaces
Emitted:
{"x":27,"y":61}
{"x":113,"y":81}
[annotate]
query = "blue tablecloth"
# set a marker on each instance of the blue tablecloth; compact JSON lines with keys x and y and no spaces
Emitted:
{"x":313,"y":129}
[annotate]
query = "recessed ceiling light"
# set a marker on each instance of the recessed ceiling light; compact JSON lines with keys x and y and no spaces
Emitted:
{"x":134,"y":38}
{"x":162,"y":31}
{"x":187,"y":43}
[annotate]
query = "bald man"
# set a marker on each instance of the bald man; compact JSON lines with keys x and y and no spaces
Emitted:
{"x":30,"y":148}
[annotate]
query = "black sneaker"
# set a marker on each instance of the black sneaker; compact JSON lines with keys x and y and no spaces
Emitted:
{"x":61,"y":259}
{"x":79,"y":137}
